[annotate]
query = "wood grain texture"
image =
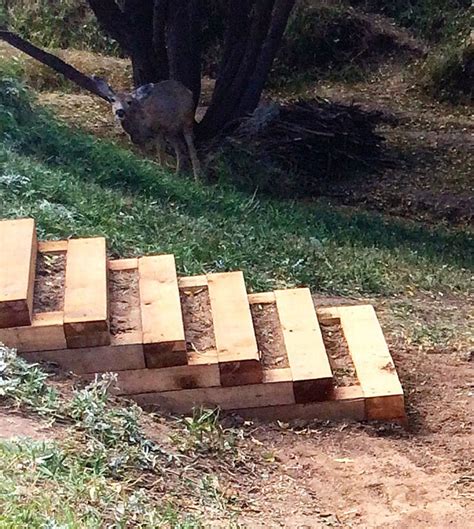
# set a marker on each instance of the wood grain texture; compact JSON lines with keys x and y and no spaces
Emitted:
{"x":162,"y":320}
{"x":373,"y":363}
{"x":92,"y":359}
{"x":261,"y":298}
{"x":226,"y":398}
{"x":239,"y":360}
{"x":45,"y":333}
{"x":86,"y":321}
{"x":18,"y":248}
{"x":52,"y":246}
{"x":345,"y":404}
{"x":192,"y":282}
{"x":166,"y":379}
{"x":123,"y":264}
{"x":309,"y":362}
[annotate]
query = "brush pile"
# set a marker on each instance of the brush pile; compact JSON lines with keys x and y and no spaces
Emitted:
{"x":308,"y":142}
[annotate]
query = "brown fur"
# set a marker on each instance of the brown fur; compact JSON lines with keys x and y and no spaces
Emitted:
{"x":155,"y":113}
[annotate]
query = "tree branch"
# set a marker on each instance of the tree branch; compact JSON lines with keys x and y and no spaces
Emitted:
{"x":57,"y":64}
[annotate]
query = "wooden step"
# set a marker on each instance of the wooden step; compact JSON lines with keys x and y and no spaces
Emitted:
{"x":166,"y":379}
{"x":45,"y":333}
{"x":18,"y":249}
{"x":276,"y":389}
{"x":307,"y":357}
{"x":162,"y":321}
{"x":239,"y":361}
{"x":84,"y":360}
{"x":345,"y":403}
{"x":373,"y":363}
{"x":86,"y":294}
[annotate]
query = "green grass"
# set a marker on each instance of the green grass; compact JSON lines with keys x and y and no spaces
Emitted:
{"x":76,"y":185}
{"x":94,"y":472}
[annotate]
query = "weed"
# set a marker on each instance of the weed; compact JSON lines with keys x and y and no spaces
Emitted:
{"x":449,"y":73}
{"x":204,"y":433}
{"x":25,"y":384}
{"x":45,"y":485}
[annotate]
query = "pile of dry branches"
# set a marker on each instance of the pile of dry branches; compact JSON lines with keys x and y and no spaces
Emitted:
{"x":311,"y":141}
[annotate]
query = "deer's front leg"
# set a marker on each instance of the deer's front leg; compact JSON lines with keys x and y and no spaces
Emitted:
{"x":160,"y":148}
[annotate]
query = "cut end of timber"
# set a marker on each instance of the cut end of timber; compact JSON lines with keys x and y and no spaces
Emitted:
{"x":18,"y":252}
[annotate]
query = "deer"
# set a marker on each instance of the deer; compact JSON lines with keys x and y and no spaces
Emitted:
{"x":152,"y":114}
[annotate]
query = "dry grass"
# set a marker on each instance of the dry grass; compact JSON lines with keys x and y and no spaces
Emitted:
{"x":117,"y":71}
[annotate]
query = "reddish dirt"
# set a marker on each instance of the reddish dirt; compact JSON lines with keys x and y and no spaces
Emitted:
{"x":197,"y":317}
{"x":321,"y":474}
{"x":48,"y":293}
{"x":269,"y":336}
{"x":377,"y":475}
{"x":14,"y":424}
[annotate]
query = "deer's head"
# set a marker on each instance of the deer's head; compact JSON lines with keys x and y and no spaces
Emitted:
{"x":127,"y":109}
{"x":124,"y":104}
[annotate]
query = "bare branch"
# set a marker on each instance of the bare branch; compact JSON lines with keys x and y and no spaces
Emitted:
{"x":57,"y":64}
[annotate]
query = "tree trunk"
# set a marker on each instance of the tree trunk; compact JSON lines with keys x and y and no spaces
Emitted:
{"x":162,"y":38}
{"x":182,"y":42}
{"x":254,"y":87}
{"x":234,"y":79}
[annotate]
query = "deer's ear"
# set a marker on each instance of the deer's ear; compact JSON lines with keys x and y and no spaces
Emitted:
{"x":142,"y":92}
{"x":104,"y":88}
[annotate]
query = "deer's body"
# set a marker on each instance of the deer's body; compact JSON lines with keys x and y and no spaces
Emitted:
{"x":155,"y":113}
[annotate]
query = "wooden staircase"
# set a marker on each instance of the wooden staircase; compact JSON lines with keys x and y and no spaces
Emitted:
{"x":155,"y":363}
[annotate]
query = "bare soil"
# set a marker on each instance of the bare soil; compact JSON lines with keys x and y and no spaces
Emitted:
{"x":370,"y":476}
{"x":48,"y":293}
{"x":197,"y":317}
{"x":339,"y":357}
{"x":14,"y":424}
{"x":269,"y":336}
{"x":431,"y":146}
{"x":124,"y":301}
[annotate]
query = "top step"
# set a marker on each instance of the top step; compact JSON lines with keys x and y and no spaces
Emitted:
{"x":18,"y":249}
{"x":86,"y":320}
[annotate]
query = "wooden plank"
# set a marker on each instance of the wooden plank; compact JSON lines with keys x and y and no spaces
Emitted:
{"x":192,"y":282}
{"x":239,"y":360}
{"x":345,"y":404}
{"x":200,"y":358}
{"x":328,"y":315}
{"x":86,"y":294}
{"x":123,"y":264}
{"x":162,"y":321}
{"x":373,"y":363}
{"x":166,"y":379}
{"x":45,"y":333}
{"x":309,"y":362}
{"x":52,"y":246}
{"x":260,"y":298}
{"x":226,"y":398}
{"x":18,"y":249}
{"x":85,"y":360}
